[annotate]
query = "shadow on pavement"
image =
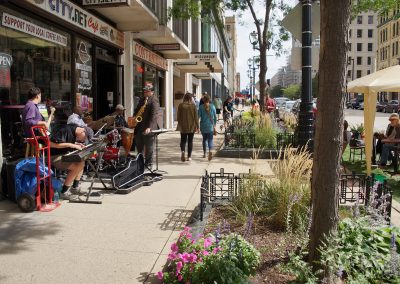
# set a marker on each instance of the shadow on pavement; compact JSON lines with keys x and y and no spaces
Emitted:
{"x":148,"y":278}
{"x":16,"y":232}
{"x":176,"y":220}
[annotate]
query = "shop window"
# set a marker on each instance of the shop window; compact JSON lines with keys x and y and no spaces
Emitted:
{"x":138,"y":71}
{"x":84,"y":69}
{"x":32,"y":61}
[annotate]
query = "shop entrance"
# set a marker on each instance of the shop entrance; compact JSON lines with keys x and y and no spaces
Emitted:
{"x":107,"y":88}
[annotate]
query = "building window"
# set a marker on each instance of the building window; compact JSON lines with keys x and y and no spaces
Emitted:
{"x":349,"y":60}
{"x":358,"y":73}
{"x":359,"y":46}
{"x":350,"y":33}
{"x":359,"y":60}
{"x":370,"y":46}
{"x":368,"y":72}
{"x":350,"y":44}
{"x":349,"y":73}
{"x":370,"y":33}
{"x":359,"y":33}
{"x":369,"y":60}
{"x":370,"y":20}
{"x":359,"y":20}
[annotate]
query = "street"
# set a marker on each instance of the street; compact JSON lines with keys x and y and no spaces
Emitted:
{"x":355,"y":116}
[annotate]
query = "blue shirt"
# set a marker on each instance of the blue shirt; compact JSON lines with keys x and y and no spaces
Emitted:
{"x":207,"y":119}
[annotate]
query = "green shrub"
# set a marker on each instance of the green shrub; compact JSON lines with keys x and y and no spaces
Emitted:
{"x":266,"y":137}
{"x":207,"y":260}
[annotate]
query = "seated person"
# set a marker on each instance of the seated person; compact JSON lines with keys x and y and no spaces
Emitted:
{"x":392,"y":132}
{"x":346,"y":136}
{"x":120,"y":116}
{"x":66,"y":139}
{"x":76,"y":117}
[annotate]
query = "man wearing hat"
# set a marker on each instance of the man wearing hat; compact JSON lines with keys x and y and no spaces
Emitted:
{"x":120,"y":116}
{"x":147,"y":108}
{"x":392,"y":132}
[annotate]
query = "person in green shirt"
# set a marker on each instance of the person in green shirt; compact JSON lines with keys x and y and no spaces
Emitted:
{"x":217,"y":102}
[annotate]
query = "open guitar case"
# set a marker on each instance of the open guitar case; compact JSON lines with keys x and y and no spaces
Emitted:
{"x":133,"y":176}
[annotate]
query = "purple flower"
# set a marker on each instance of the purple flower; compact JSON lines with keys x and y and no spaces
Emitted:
{"x":205,"y":252}
{"x":160,"y":275}
{"x":172,"y":256}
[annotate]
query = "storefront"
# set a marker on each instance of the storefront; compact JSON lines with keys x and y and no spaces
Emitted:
{"x":58,"y":46}
{"x":148,"y":69}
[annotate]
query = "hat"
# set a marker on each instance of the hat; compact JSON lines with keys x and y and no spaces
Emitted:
{"x":394,"y":116}
{"x":148,"y":88}
{"x":119,"y":107}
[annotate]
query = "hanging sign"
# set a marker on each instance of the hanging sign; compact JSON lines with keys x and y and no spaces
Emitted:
{"x":104,"y":3}
{"x":27,"y":27}
{"x":82,"y":19}
{"x":5,"y":65}
{"x":203,"y":56}
{"x":84,"y":68}
{"x":166,"y":46}
{"x":140,"y":51}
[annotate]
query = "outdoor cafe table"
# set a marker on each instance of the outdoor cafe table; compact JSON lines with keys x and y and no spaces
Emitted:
{"x":396,"y":143}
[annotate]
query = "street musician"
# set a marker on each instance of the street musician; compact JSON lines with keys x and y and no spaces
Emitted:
{"x":65,"y":139}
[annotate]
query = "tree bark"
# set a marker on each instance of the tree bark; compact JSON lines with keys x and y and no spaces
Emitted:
{"x":335,"y":16}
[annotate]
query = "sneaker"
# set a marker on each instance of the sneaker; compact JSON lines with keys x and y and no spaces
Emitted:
{"x":66,"y":195}
{"x":204,"y":155}
{"x":188,"y":159}
{"x":209,"y":156}
{"x":183,"y":156}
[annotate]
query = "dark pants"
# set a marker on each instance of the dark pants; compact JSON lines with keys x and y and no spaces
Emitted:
{"x":144,"y":145}
{"x":189,"y":138}
{"x":207,"y":139}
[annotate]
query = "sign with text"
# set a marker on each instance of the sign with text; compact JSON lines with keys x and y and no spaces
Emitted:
{"x":75,"y":15}
{"x":27,"y":27}
{"x":104,"y":3}
{"x":142,"y":52}
{"x":167,"y":46}
{"x":6,"y":61}
{"x":83,"y":67}
{"x":203,"y":56}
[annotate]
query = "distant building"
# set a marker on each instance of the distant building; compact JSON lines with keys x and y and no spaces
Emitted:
{"x":230,"y":28}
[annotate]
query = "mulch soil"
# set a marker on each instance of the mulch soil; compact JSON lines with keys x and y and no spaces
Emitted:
{"x":273,"y":245}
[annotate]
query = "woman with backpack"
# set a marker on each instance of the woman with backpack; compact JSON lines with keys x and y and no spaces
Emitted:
{"x":208,"y":119}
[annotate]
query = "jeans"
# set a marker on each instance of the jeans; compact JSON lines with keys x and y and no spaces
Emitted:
{"x":144,"y":145}
{"x":189,"y":138}
{"x":386,"y":153}
{"x":207,"y":138}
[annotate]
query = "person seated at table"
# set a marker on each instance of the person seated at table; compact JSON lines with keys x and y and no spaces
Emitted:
{"x":66,"y":139}
{"x":76,"y":117}
{"x":346,"y":135}
{"x":392,"y":132}
{"x":120,"y":116}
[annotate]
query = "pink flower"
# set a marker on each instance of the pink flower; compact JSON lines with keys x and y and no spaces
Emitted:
{"x":172,"y":256}
{"x":180,"y":277}
{"x":179,"y":265}
{"x":217,"y":249}
{"x":174,"y":247}
{"x":185,"y":257}
{"x":160,"y":275}
{"x":207,"y":242}
{"x":205,"y":252}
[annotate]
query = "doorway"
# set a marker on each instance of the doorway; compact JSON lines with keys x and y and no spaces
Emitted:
{"x":107,"y":88}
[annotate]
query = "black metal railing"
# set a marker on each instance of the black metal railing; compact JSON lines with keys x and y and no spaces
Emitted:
{"x":366,"y":191}
{"x":221,"y":187}
{"x":284,"y":139}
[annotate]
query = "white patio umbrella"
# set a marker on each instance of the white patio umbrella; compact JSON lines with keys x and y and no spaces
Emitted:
{"x":386,"y":80}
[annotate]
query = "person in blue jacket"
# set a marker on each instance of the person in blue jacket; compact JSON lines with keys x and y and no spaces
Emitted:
{"x":208,"y":119}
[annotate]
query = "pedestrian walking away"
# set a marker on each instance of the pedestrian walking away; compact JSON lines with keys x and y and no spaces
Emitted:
{"x":188,"y":124}
{"x":217,"y":102}
{"x":208,"y":119}
{"x":146,"y":117}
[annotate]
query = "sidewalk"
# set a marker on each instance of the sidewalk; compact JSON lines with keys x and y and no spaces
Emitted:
{"x":120,"y":241}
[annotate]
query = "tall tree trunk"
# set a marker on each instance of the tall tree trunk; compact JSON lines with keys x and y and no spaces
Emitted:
{"x":335,"y":16}
{"x":263,"y":72}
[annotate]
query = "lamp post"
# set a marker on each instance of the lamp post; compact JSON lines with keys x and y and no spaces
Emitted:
{"x":306,"y":120}
{"x":253,"y":66}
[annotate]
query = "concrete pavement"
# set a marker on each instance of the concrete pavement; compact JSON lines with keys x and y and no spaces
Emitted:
{"x":122,"y":240}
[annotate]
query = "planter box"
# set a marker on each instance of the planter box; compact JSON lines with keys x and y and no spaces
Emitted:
{"x":248,"y":153}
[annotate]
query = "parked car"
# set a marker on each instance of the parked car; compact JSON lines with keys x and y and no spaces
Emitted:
{"x":296,"y":107}
{"x":380,"y":106}
{"x":280,"y":101}
{"x":361,"y":105}
{"x":349,"y":104}
{"x":286,"y":108}
{"x":392,"y":106}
